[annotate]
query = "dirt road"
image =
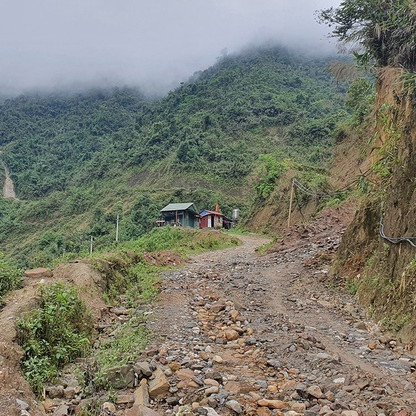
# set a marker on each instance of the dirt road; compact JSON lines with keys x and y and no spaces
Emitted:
{"x":271,"y":328}
{"x":8,"y":187}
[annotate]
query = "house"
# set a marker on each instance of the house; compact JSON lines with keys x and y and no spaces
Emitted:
{"x":180,"y":215}
{"x":212,"y":219}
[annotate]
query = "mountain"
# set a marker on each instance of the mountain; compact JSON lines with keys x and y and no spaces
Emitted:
{"x":77,"y":160}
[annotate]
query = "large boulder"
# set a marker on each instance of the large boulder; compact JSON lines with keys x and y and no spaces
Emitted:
{"x":120,"y":377}
{"x":159,"y":384}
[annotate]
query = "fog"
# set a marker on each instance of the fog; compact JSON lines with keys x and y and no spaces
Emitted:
{"x":151,"y":44}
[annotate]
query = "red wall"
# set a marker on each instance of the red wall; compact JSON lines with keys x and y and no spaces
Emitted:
{"x":203,"y":222}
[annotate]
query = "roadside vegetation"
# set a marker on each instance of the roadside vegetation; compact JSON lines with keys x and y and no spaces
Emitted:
{"x":10,"y":277}
{"x":382,"y":36}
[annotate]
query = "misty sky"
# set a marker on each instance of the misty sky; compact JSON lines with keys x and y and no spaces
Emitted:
{"x":47,"y":44}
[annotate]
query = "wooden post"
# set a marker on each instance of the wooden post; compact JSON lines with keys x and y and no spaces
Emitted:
{"x":118,"y":218}
{"x":292,"y":192}
{"x":91,"y":243}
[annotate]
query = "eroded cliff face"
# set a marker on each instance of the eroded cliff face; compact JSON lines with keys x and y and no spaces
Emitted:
{"x":385,"y":273}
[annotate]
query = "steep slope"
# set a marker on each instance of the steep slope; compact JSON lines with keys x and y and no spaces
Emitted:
{"x":78,"y":160}
{"x":383,"y":269}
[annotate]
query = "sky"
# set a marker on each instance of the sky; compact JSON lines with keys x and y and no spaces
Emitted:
{"x":151,"y":44}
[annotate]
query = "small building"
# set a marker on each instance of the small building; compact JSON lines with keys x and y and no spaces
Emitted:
{"x":180,"y":215}
{"x":212,"y":219}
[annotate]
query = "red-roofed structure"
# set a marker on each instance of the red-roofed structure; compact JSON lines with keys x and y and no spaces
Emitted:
{"x":212,"y":219}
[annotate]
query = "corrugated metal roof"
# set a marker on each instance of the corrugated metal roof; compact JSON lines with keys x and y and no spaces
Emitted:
{"x":179,"y":207}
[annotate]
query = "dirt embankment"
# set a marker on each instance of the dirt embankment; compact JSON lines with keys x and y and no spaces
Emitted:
{"x":385,"y":273}
{"x":12,"y":384}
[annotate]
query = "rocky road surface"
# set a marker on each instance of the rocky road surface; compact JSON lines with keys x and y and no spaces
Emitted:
{"x":242,"y":333}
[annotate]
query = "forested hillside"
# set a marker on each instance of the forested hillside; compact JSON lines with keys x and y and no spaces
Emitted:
{"x":78,"y":159}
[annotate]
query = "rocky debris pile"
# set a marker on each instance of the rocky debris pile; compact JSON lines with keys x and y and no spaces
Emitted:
{"x":162,"y":258}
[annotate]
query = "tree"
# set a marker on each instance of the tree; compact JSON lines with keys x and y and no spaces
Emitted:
{"x":382,"y":31}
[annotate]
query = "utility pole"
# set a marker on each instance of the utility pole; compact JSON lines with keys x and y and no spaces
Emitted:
{"x":292,"y":192}
{"x":118,"y":220}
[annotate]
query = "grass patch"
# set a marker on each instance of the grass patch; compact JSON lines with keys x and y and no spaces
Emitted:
{"x":396,"y":321}
{"x":132,"y":279}
{"x":239,"y":230}
{"x":263,"y":249}
{"x":182,"y":241}
{"x":125,"y":346}
{"x":129,"y":274}
{"x":352,"y":286}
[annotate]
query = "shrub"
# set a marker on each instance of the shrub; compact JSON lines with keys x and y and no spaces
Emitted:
{"x":56,"y":332}
{"x":9,"y":276}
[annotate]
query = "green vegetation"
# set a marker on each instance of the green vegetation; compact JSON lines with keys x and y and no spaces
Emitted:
{"x":182,"y":241}
{"x":79,"y":160}
{"x":360,"y":99}
{"x":383,"y":30}
{"x":352,"y":285}
{"x":396,"y":321}
{"x":127,"y":344}
{"x":129,"y":273}
{"x":271,"y":167}
{"x":263,"y":249}
{"x":53,"y":334}
{"x":9,"y":276}
{"x":206,"y":126}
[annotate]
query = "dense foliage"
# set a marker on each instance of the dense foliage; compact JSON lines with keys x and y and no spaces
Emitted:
{"x":380,"y":30}
{"x":53,"y":334}
{"x":79,"y":160}
{"x":49,"y":139}
{"x":207,"y":125}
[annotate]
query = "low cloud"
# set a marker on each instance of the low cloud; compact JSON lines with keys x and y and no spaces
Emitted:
{"x":152,"y":44}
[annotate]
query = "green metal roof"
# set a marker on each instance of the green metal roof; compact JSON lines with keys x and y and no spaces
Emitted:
{"x":179,"y":207}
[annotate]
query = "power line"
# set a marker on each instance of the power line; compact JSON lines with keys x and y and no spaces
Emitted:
{"x":309,"y":192}
{"x":395,"y":240}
